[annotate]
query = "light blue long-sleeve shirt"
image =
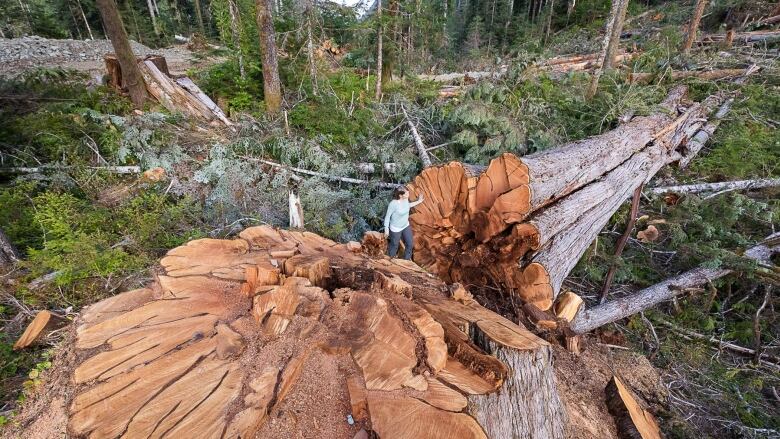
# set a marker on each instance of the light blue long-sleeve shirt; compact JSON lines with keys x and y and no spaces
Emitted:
{"x":397,"y":216}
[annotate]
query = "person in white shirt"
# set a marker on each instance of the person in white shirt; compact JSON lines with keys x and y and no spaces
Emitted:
{"x":397,"y":222}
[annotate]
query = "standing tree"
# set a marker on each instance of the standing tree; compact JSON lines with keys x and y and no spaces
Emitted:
{"x":235,"y":33}
{"x":614,"y":39}
{"x":310,"y":46}
{"x":199,"y":14}
{"x":272,"y":88}
{"x":379,"y":49}
{"x":131,"y":74}
{"x":698,"y":11}
{"x":611,"y":21}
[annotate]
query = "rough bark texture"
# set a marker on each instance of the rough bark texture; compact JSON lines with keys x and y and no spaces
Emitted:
{"x":614,"y":39}
{"x":608,"y":30}
{"x":131,"y":74}
{"x":521,"y":224}
{"x":8,"y":253}
{"x":617,"y":309}
{"x":236,"y":332}
{"x":693,"y":27}
{"x":719,"y":186}
{"x":272,"y":86}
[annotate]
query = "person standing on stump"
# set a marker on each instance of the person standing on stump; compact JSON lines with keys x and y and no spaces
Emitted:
{"x":397,"y":222}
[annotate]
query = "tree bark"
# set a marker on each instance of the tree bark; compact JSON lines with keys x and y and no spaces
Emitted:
{"x":152,"y":15}
{"x":379,"y":50}
{"x":199,"y":15}
{"x":611,"y":21}
{"x":235,"y":22}
{"x":8,"y":252}
{"x":521,"y":224}
{"x":272,"y":88}
{"x":618,"y":309}
{"x":131,"y":74}
{"x":422,"y":151}
{"x":719,"y":186}
{"x":408,"y":354}
{"x":693,"y":27}
{"x":614,"y":39}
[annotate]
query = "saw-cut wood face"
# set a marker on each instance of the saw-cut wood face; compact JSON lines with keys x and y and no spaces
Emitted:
{"x":277,"y":333}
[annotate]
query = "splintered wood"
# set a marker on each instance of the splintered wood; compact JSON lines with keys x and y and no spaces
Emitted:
{"x":240,"y":338}
{"x":521,"y":224}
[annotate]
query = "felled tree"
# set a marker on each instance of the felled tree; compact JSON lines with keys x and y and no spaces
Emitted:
{"x":233,"y":333}
{"x":521,"y":224}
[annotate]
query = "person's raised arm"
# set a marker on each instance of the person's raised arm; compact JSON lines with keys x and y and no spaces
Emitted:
{"x":390,"y":210}
{"x":420,"y":199}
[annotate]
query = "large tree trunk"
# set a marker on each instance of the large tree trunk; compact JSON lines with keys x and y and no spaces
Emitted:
{"x":521,"y":224}
{"x":272,"y":88}
{"x":614,"y":39}
{"x":693,"y":27}
{"x":236,"y":331}
{"x":131,"y":74}
{"x":623,"y":307}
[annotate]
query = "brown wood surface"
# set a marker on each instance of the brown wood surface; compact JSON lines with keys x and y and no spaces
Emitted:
{"x":228,"y":332}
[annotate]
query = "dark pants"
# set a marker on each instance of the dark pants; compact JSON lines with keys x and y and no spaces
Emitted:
{"x":395,"y":239}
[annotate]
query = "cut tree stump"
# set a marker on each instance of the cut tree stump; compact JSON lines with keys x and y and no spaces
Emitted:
{"x":521,"y":224}
{"x":290,"y":326}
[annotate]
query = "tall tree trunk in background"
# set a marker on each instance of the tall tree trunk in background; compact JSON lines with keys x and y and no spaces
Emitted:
{"x":614,"y":40}
{"x":272,"y":88}
{"x":129,"y":6}
{"x":698,"y":11}
{"x":570,"y":9}
{"x":151,"y":14}
{"x":389,"y":56}
{"x":310,"y":47}
{"x":613,"y":14}
{"x":446,"y":5}
{"x":379,"y":33}
{"x":548,"y":28}
{"x":84,"y":17}
{"x":199,"y":14}
{"x":235,"y":22}
{"x":75,"y":22}
{"x":507,"y":24}
{"x":115,"y":30}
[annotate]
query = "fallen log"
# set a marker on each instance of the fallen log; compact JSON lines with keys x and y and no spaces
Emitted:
{"x":707,"y":75}
{"x":349,"y":180}
{"x":764,"y":358}
{"x":422,"y":151}
{"x":175,"y":94}
{"x":233,"y":333}
{"x":742,"y":37}
{"x":621,"y":308}
{"x":42,"y":169}
{"x":521,"y":224}
{"x":737,"y":185}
